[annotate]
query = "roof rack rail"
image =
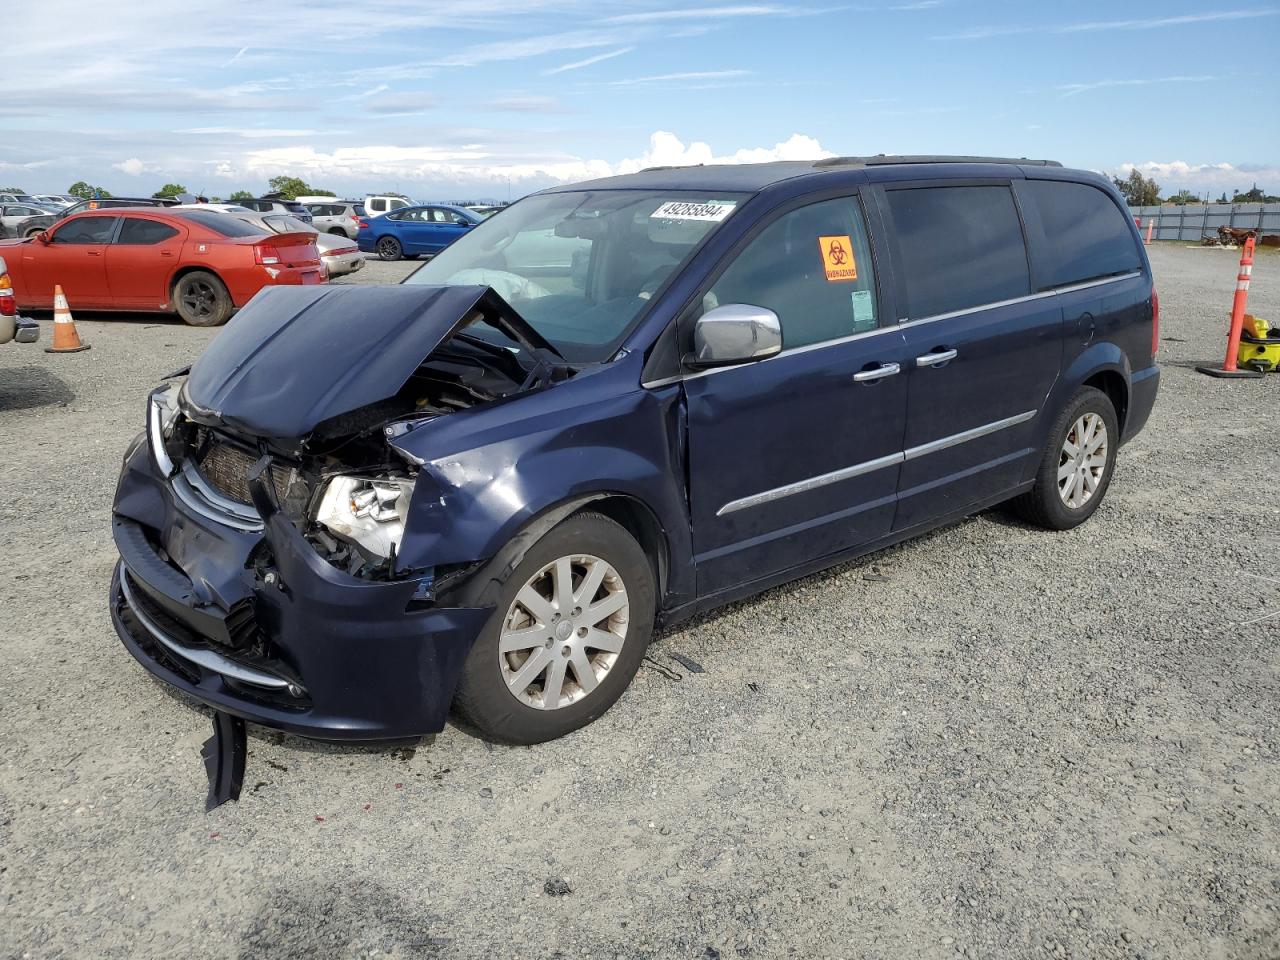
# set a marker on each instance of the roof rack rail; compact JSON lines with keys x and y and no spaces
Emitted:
{"x":885,"y":158}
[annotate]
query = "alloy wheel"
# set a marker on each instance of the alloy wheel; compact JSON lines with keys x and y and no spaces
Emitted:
{"x":199,"y":298}
{"x":388,"y":248}
{"x":563,"y":632}
{"x":1082,"y":462}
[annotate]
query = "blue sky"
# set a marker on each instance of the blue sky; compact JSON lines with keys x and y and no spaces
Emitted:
{"x":486,"y":97}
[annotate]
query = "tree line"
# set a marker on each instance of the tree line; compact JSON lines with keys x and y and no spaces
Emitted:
{"x":290,"y":188}
{"x":1142,"y":191}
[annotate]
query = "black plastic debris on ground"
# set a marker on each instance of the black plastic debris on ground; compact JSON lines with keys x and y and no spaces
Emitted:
{"x":224,"y":755}
{"x":693,"y":666}
{"x":556,"y":887}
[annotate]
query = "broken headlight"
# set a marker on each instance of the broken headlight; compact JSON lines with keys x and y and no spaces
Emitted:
{"x":162,"y":412}
{"x":367,"y":512}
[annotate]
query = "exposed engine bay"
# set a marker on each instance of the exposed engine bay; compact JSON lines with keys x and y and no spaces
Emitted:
{"x":341,"y":483}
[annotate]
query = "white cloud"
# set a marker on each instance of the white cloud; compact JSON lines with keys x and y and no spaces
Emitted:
{"x":1071,"y":89}
{"x":473,"y":163}
{"x":700,"y":13}
{"x":667,"y":150}
{"x":579,"y":64}
{"x":1099,"y":26}
{"x":251,"y":133}
{"x":679,"y":77}
{"x":133,"y":167}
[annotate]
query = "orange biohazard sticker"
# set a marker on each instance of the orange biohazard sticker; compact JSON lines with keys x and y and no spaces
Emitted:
{"x":837,"y":258}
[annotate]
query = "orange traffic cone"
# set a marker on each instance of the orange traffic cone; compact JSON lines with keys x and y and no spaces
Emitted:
{"x":65,"y":337}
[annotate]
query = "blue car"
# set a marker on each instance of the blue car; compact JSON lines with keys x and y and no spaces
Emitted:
{"x":615,"y":406}
{"x":410,"y":231}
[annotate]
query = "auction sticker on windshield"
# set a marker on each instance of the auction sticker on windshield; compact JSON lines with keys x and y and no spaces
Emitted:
{"x":683,"y":210}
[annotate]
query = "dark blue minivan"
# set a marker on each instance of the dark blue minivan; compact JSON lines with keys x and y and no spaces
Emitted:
{"x":611,"y":407}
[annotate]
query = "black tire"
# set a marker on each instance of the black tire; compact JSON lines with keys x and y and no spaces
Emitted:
{"x":1044,"y":504}
{"x":389,"y":248}
{"x":201,"y":299}
{"x":483,"y":699}
{"x":34,"y":232}
{"x":337,"y":231}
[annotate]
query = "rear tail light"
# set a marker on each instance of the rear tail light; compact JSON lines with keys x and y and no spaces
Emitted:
{"x":362,"y":222}
{"x":265,"y":255}
{"x":7,"y":306}
{"x":1155,"y":323}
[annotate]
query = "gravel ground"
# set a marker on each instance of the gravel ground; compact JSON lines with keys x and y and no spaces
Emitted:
{"x":989,"y":742}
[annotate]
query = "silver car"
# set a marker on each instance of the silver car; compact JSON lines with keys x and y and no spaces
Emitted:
{"x":339,"y":254}
{"x":339,"y":217}
{"x":12,"y":214}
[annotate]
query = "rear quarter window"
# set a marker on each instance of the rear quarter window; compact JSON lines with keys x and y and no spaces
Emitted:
{"x":1087,"y":236}
{"x":224,"y":224}
{"x":960,"y":247}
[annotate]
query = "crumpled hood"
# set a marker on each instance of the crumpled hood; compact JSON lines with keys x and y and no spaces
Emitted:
{"x":295,"y":357}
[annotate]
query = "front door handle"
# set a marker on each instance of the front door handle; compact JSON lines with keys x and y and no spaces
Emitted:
{"x":877,"y":373}
{"x":937,"y":358}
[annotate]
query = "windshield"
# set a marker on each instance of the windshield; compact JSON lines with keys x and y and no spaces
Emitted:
{"x":579,"y":267}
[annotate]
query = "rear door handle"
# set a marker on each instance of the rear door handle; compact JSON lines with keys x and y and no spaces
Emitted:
{"x":936,"y":358}
{"x":877,"y":373}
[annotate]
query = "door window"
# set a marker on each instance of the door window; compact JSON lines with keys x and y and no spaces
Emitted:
{"x":86,"y":230}
{"x":812,"y":267}
{"x":959,"y":247}
{"x":397,"y":203}
{"x":143,"y":233}
{"x":1088,"y":236}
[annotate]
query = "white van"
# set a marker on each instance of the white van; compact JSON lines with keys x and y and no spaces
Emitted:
{"x":376,"y":206}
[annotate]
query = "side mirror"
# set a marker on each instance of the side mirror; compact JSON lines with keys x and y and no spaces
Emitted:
{"x":43,"y":236}
{"x":734,"y":333}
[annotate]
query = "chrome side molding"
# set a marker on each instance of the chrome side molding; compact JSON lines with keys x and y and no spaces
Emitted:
{"x":869,"y":466}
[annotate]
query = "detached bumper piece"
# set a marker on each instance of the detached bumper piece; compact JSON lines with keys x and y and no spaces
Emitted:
{"x":224,"y":755}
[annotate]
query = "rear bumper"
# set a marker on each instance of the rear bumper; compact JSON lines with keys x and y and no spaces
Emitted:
{"x":19,"y":329}
{"x":342,"y":265}
{"x":257,"y":624}
{"x":1143,"y":387}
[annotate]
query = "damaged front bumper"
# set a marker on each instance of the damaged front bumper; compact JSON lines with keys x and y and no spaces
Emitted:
{"x":256,"y":623}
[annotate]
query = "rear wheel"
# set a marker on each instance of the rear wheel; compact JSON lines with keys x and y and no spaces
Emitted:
{"x":1076,"y":468}
{"x":337,"y":231}
{"x":201,"y":299}
{"x":569,"y":631}
{"x":389,"y":248}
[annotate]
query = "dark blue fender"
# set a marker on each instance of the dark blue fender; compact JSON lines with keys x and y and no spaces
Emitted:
{"x":486,"y":474}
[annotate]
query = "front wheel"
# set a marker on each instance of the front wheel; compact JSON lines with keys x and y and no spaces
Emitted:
{"x":1076,"y":468}
{"x":389,"y":248}
{"x":569,"y":632}
{"x":201,"y":299}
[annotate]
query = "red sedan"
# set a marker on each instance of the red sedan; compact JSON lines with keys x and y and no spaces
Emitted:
{"x":197,"y":263}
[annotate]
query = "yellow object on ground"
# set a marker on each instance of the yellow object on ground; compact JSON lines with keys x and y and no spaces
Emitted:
{"x":1259,"y":345}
